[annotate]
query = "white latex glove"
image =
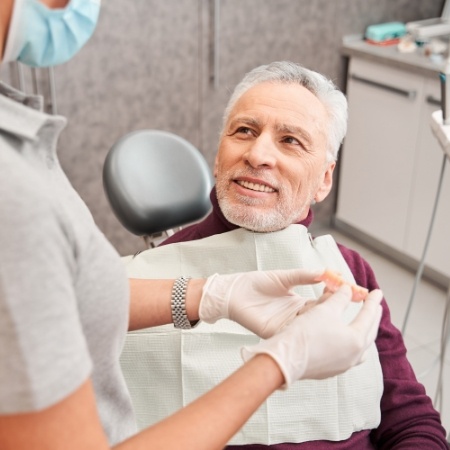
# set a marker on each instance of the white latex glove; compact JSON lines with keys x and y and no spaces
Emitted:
{"x":318,"y":344}
{"x":261,"y":301}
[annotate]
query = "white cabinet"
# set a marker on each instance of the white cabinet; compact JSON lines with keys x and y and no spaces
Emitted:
{"x":390,"y":163}
{"x":428,"y":164}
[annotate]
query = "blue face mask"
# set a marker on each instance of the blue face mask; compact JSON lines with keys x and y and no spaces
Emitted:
{"x":44,"y":37}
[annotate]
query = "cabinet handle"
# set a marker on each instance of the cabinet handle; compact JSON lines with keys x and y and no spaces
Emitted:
{"x":433,"y":100}
{"x":405,"y":93}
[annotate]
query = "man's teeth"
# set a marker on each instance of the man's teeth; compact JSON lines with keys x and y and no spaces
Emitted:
{"x":256,"y":186}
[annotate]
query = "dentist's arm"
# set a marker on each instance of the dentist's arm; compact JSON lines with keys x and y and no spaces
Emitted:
{"x":316,"y":344}
{"x":150,"y":302}
{"x":261,"y":301}
{"x":206,"y":424}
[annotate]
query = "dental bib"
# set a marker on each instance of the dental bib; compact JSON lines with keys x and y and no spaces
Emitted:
{"x":166,"y":368}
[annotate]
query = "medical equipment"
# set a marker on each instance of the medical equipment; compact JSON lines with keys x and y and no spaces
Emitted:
{"x":445,"y":95}
{"x":156,"y":181}
{"x":444,"y":101}
{"x":440,"y":126}
{"x":429,"y":28}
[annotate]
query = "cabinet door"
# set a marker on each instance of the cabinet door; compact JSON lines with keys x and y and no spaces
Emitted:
{"x":379,"y":150}
{"x":427,"y":171}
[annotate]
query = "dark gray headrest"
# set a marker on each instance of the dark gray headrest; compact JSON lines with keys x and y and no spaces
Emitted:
{"x":156,"y":180}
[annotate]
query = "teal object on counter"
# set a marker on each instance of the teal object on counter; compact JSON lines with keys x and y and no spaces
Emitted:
{"x":385,"y":31}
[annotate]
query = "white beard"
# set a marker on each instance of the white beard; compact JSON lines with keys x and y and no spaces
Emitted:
{"x":246,"y":215}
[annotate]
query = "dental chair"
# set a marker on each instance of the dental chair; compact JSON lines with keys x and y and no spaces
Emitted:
{"x":156,"y":182}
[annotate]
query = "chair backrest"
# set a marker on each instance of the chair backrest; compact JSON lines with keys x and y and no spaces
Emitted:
{"x":156,"y":181}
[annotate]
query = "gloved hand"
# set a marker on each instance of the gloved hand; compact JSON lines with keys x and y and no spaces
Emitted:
{"x":261,"y":301}
{"x":318,"y":344}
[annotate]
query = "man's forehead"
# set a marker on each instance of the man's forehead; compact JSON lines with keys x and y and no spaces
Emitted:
{"x":277,"y":89}
{"x":279,"y":99}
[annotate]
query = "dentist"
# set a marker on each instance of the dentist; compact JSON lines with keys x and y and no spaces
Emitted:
{"x":66,"y":303}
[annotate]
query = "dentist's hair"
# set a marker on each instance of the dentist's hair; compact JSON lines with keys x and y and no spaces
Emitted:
{"x":325,"y":90}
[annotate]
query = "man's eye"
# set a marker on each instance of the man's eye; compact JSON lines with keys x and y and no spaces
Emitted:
{"x":243,"y":130}
{"x":291,"y":140}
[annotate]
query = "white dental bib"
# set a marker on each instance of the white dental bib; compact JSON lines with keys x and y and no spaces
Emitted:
{"x":166,"y":368}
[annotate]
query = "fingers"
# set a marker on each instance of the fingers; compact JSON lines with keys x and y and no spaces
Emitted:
{"x":333,"y":280}
{"x":368,"y":319}
{"x":338,"y":302}
{"x":295,"y":277}
{"x":374,"y":299}
{"x":340,"y":299}
{"x":325,"y":296}
{"x":309,"y":304}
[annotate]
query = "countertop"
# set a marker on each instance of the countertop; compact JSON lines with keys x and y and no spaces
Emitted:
{"x":414,"y":62}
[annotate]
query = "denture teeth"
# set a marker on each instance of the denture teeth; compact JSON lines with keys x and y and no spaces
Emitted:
{"x":256,"y":186}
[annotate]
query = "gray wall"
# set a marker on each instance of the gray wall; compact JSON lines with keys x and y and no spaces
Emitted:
{"x":149,"y":65}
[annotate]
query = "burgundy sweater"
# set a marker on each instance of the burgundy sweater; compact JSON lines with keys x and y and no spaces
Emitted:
{"x":408,"y":419}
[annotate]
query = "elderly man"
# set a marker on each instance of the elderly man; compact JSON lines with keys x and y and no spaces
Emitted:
{"x":282,"y":131}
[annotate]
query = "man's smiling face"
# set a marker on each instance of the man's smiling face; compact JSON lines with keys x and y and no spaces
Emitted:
{"x":272,"y":158}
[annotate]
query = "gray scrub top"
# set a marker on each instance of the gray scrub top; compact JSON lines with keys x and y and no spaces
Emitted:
{"x":63,"y":288}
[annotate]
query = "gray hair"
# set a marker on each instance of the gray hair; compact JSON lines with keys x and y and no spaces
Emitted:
{"x":324,"y":89}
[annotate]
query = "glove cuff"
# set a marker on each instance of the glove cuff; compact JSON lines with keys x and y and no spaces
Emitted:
{"x":213,"y":302}
{"x":248,"y":353}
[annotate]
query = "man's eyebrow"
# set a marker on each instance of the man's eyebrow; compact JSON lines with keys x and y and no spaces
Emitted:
{"x":281,"y":128}
{"x":250,"y":121}
{"x":292,"y":129}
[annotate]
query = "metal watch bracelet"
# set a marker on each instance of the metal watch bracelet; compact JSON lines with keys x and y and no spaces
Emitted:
{"x":178,"y":304}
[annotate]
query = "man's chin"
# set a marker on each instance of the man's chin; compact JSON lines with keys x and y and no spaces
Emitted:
{"x":252,"y":217}
{"x":263,"y":230}
{"x":261,"y":224}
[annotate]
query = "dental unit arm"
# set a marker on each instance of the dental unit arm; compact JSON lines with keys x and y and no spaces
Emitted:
{"x":440,"y":126}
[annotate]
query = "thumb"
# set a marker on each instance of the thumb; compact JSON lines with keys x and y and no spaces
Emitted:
{"x":294,"y":277}
{"x":368,"y":319}
{"x":340,"y":299}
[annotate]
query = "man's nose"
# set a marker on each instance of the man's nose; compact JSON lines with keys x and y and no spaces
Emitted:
{"x":262,"y":152}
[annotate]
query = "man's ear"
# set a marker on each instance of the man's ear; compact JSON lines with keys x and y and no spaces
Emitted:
{"x":326,"y":184}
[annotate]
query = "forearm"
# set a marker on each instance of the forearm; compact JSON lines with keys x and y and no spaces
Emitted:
{"x":209,"y":422}
{"x":150,"y":302}
{"x":206,"y":424}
